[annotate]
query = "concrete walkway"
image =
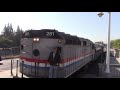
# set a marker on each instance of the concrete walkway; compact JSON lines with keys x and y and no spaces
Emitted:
{"x":114,"y":68}
{"x":7,"y":74}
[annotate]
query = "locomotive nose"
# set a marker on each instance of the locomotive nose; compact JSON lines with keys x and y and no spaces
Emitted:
{"x":36,"y":52}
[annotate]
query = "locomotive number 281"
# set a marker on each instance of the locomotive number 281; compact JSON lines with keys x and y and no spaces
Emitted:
{"x":49,"y":33}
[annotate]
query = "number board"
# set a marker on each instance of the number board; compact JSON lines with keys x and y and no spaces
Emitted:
{"x":50,"y":34}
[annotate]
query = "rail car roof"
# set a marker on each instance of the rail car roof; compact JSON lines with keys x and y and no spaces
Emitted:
{"x":70,"y":39}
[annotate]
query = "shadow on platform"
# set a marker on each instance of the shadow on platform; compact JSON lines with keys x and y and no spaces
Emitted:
{"x":1,"y":63}
{"x":114,"y":67}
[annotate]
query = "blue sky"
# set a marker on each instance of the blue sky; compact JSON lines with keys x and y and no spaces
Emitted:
{"x":83,"y":24}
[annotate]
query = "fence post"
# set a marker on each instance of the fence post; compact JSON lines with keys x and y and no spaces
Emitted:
{"x":22,"y":68}
{"x":11,"y":68}
{"x":17,"y":69}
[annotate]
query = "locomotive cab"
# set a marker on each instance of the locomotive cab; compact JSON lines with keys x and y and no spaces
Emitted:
{"x":36,"y":46}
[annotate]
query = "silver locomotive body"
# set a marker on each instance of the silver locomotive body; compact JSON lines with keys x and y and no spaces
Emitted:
{"x":37,"y":44}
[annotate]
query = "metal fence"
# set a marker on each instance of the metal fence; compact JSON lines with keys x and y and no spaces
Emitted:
{"x":15,"y":63}
{"x":9,"y":51}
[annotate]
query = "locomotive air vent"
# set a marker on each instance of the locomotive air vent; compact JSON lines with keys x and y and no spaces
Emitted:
{"x":36,"y":52}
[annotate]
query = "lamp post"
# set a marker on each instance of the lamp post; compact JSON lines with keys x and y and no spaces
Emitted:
{"x":108,"y":42}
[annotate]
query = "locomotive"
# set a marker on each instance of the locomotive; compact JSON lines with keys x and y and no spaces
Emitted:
{"x":37,"y":44}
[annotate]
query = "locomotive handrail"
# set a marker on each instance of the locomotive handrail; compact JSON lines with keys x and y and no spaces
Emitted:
{"x":115,"y":65}
{"x":35,"y":70}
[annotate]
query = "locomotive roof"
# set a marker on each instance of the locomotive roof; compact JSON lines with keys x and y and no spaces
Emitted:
{"x":70,"y":39}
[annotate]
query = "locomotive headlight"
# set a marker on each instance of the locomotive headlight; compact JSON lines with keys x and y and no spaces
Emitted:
{"x":59,"y":41}
{"x":36,"y":39}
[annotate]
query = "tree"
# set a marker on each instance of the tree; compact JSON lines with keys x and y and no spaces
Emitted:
{"x":10,"y":37}
{"x":115,"y":43}
{"x":7,"y":35}
{"x":18,"y":36}
{"x":8,"y":32}
{"x":7,"y":41}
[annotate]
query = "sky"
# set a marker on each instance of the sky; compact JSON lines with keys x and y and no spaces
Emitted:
{"x":82,"y":24}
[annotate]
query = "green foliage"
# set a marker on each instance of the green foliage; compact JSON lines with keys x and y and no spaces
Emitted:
{"x":18,"y":35}
{"x":8,"y":31}
{"x":10,"y":37}
{"x":4,"y":40}
{"x":115,"y":43}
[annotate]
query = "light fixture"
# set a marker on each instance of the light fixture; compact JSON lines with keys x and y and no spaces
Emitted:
{"x":24,"y":52}
{"x":59,"y":41}
{"x":100,"y":14}
{"x":36,"y":39}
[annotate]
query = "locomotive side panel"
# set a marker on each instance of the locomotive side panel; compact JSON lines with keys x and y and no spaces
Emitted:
{"x":26,"y":48}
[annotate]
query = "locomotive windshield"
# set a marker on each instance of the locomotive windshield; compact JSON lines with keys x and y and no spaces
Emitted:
{"x":42,"y":34}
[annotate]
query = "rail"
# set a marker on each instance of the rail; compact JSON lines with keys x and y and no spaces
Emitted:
{"x":22,"y":69}
{"x":17,"y":66}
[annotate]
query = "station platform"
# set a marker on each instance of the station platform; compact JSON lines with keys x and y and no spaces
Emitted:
{"x":7,"y":74}
{"x":114,"y":68}
{"x":114,"y":71}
